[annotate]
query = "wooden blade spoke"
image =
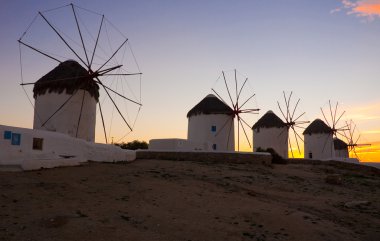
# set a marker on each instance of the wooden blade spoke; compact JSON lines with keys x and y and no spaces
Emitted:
{"x":357,"y":140}
{"x":122,"y":96}
{"x":246,"y":101}
{"x":287,"y":109}
{"x":80,"y":34}
{"x":229,"y":134}
{"x":294,"y":110}
{"x":220,"y":98}
{"x":291,"y":148}
{"x":336,"y":108}
{"x":245,"y":133}
{"x":300,"y":137}
{"x":352,"y":133}
{"x":60,"y":107}
{"x":332,"y":119}
{"x":40,"y":51}
{"x":324,"y":145}
{"x":60,"y":36}
{"x":301,"y":127}
{"x":80,"y":112}
{"x":301,"y":122}
{"x":121,"y":74}
{"x":278,"y":103}
{"x":117,"y":50}
{"x":104,"y":71}
{"x":250,"y":127}
{"x":300,"y":116}
{"x":238,"y":135}
{"x":341,"y":134}
{"x":295,"y":136}
{"x":286,"y":105}
{"x":356,"y":154}
{"x":363,"y":144}
{"x":284,"y":129}
{"x":104,"y":126}
{"x":28,"y":83}
{"x":340,"y":116}
{"x":97,"y":39}
{"x":325,"y":118}
{"x":248,"y":110}
{"x":117,"y":108}
{"x":228,"y":90}
{"x":224,"y":124}
{"x":241,"y":88}
{"x":237,"y":99}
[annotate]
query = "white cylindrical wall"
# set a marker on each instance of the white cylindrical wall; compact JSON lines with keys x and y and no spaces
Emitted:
{"x":200,"y":130}
{"x":66,"y":120}
{"x":319,"y":146}
{"x":341,"y":153}
{"x":273,"y":137}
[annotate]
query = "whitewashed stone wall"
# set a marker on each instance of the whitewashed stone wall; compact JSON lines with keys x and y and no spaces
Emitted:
{"x":57,"y":149}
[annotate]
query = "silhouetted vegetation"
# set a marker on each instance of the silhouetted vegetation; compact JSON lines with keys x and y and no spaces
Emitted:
{"x":276,"y":158}
{"x":133,"y":145}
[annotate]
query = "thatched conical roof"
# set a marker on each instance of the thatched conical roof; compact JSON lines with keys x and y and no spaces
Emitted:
{"x":269,"y":120}
{"x":317,"y":127}
{"x":67,"y":76}
{"x":210,"y":105}
{"x":339,"y":144}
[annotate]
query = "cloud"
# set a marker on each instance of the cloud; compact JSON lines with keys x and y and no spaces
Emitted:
{"x":367,"y":9}
{"x":371,"y":132}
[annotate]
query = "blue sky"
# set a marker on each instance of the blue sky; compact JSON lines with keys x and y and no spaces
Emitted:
{"x":182,"y":47}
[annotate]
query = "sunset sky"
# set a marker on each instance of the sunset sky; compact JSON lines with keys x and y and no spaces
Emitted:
{"x":321,"y":50}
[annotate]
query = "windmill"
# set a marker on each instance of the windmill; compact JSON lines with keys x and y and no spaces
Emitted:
{"x":99,"y":56}
{"x":353,"y":138}
{"x":292,"y":121}
{"x":333,"y":123}
{"x":237,"y":100}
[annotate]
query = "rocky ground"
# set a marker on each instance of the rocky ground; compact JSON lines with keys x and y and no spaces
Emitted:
{"x":169,"y":200}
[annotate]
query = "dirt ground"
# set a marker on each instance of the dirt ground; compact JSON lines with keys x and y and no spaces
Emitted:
{"x":173,"y":200}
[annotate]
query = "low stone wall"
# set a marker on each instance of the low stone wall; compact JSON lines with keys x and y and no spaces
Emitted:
{"x":335,"y":163}
{"x":233,"y":157}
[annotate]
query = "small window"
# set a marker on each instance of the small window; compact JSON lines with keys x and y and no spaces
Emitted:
{"x":214,"y":146}
{"x":38,"y":143}
{"x":16,"y":139}
{"x":7,"y":135}
{"x":310,"y":155}
{"x":213,"y":128}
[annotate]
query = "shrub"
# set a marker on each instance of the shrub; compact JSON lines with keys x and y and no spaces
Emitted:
{"x":276,"y":158}
{"x":134,"y":145}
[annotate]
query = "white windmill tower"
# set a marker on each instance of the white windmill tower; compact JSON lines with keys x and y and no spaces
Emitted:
{"x":208,"y":118}
{"x":271,"y":132}
{"x":340,"y":148}
{"x":318,"y":141}
{"x":65,"y":101}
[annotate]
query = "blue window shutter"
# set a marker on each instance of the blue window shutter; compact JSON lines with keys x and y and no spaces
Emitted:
{"x":7,"y":135}
{"x":16,"y":139}
{"x":213,"y":128}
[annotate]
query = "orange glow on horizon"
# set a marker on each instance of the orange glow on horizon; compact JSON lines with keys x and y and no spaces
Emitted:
{"x":368,"y":153}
